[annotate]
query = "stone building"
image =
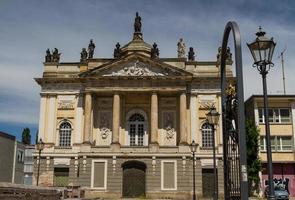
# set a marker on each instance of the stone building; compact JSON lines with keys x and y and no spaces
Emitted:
{"x":282,"y":130}
{"x":121,"y":127}
{"x":12,"y":159}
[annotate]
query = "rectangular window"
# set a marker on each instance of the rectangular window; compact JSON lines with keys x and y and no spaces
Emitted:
{"x":276,"y":115}
{"x":271,"y":115}
{"x":261,"y":115}
{"x":285,"y":115}
{"x":285,"y":143}
{"x":99,"y":174}
{"x":20,"y":155}
{"x":169,"y":175}
{"x":278,"y":143}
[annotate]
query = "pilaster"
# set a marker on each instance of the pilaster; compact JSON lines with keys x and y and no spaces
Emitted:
{"x":116,"y":119}
{"x":182,"y":119}
{"x":87,"y":119}
{"x":154,"y":118}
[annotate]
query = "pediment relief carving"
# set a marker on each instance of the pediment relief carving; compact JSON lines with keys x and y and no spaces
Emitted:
{"x":138,"y":68}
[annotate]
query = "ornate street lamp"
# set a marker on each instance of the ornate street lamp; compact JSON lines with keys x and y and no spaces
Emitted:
{"x":213,"y":118}
{"x":40,"y":147}
{"x":262,"y":49}
{"x":193,"y":147}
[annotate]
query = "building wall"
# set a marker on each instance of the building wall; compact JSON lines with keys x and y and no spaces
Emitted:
{"x":19,"y":163}
{"x":6,"y":157}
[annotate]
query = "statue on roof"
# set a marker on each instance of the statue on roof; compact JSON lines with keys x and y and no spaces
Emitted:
{"x":191,"y":54}
{"x":137,"y":23}
{"x":228,"y":54}
{"x":83,"y":55}
{"x":91,"y":48}
{"x":155,"y":51}
{"x":55,"y":55}
{"x":48,"y":56}
{"x":117,"y":51}
{"x":181,"y":48}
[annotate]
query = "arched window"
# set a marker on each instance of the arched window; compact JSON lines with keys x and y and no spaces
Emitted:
{"x":65,"y":133}
{"x":136,"y":130}
{"x":207,"y":137}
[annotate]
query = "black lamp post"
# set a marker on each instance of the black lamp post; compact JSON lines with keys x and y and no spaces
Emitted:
{"x":40,"y":147}
{"x":213,"y":118}
{"x":262,"y":50}
{"x":193,"y":147}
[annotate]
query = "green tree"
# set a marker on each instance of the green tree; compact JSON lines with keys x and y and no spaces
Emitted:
{"x":253,"y":161}
{"x":26,"y":136}
{"x":36,"y":138}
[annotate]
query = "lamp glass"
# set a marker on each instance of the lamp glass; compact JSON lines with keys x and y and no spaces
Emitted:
{"x":193,"y":146}
{"x":262,"y":49}
{"x":213,"y":116}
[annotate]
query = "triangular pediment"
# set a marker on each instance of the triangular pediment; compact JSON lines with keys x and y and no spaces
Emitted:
{"x":135,"y":66}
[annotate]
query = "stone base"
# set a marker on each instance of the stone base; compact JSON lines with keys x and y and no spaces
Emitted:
{"x":154,"y":147}
{"x":115,"y":146}
{"x":184,"y":148}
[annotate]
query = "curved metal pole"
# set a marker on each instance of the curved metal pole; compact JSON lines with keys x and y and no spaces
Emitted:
{"x":232,"y":26}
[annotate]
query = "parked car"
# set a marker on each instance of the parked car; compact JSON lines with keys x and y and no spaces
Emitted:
{"x":280,"y":193}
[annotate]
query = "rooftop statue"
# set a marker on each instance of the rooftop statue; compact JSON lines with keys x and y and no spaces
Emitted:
{"x":83,"y":55}
{"x":155,"y":51}
{"x":117,"y":51}
{"x":91,"y":48}
{"x":191,"y":54}
{"x":181,"y":48}
{"x":228,"y":54}
{"x":137,"y":23}
{"x":55,"y":55}
{"x":48,"y":56}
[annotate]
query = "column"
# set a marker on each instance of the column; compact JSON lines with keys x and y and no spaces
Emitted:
{"x":87,"y":118}
{"x":116,"y":119}
{"x":182,"y":119}
{"x":154,"y":118}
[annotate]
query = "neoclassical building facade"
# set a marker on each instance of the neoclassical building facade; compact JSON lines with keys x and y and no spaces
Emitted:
{"x":121,"y":127}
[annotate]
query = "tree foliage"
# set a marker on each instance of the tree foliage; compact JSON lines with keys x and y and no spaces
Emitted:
{"x":26,"y":136}
{"x":36,"y":138}
{"x":253,"y":161}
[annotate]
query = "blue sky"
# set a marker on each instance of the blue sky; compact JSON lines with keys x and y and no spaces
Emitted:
{"x":29,"y":27}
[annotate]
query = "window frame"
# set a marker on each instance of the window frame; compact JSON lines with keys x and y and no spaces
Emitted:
{"x":59,"y":134}
{"x":276,"y":116}
{"x":175,"y":175}
{"x":202,"y":138}
{"x":278,"y":144}
{"x":105,"y":173}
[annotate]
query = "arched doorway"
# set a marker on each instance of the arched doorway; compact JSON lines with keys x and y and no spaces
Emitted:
{"x":133,"y":179}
